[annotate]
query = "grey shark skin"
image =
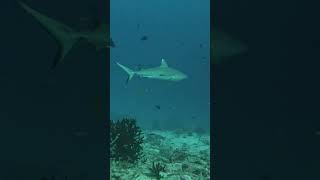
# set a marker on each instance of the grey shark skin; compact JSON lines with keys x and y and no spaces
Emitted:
{"x":162,"y":72}
{"x":223,"y":46}
{"x":68,"y":37}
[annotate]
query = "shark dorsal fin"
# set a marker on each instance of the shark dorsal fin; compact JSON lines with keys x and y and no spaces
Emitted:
{"x":163,"y":63}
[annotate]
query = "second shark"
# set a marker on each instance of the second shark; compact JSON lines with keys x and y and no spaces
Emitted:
{"x":68,"y":37}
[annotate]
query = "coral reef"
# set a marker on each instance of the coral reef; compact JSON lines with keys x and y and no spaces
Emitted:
{"x":185,"y":155}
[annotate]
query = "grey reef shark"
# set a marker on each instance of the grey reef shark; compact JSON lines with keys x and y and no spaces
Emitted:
{"x":162,"y":72}
{"x":67,"y":37}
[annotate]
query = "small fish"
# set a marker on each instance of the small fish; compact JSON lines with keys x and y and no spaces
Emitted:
{"x":158,"y":107}
{"x":111,"y":43}
{"x":172,"y":107}
{"x":144,"y":38}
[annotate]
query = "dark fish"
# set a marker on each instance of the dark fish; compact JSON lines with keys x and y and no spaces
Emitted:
{"x":144,"y":38}
{"x":158,"y":107}
{"x":111,"y":43}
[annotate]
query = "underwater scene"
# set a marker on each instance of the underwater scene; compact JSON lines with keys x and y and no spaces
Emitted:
{"x":170,"y":81}
{"x":160,"y":90}
{"x":160,"y":67}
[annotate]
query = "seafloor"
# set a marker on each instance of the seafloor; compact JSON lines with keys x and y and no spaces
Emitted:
{"x":185,"y":155}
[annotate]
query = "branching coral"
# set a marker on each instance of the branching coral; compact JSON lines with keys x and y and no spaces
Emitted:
{"x":126,"y":140}
{"x":156,"y":169}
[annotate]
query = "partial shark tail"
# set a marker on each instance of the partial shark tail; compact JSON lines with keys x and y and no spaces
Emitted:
{"x":128,"y":71}
{"x":64,"y":35}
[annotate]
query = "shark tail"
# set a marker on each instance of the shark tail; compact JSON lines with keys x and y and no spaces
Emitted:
{"x":128,"y":71}
{"x":64,"y":35}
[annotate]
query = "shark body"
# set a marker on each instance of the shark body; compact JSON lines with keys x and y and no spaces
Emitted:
{"x":67,"y":37}
{"x":223,"y":46}
{"x":162,"y":72}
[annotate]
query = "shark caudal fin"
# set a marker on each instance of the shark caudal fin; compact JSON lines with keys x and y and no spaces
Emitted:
{"x":64,"y":35}
{"x":128,"y":71}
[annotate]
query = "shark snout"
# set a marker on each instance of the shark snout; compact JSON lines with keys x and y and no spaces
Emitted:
{"x":180,"y":77}
{"x":184,"y":76}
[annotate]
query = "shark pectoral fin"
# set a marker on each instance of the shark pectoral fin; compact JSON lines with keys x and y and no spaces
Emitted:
{"x":127,"y":81}
{"x":63,"y":50}
{"x":58,"y":58}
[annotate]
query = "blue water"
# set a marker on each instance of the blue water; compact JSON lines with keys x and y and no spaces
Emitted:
{"x":179,"y":33}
